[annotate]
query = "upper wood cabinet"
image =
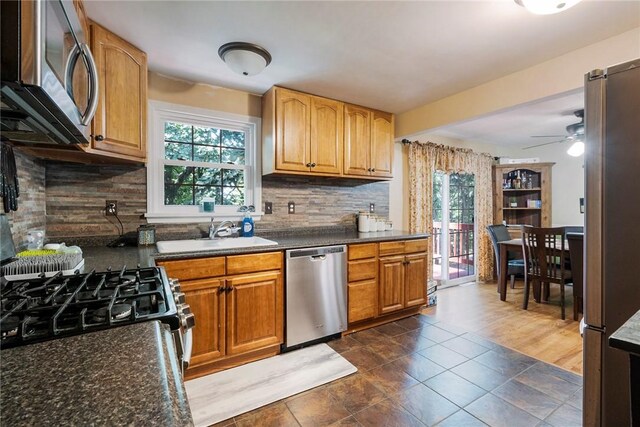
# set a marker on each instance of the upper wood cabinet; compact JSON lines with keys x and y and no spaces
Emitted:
{"x":120,"y":124}
{"x":293,"y":115}
{"x":119,"y":127}
{"x":381,"y":144}
{"x":326,"y":135}
{"x":357,"y":141}
{"x":309,"y":135}
{"x":368,"y":142}
{"x":302,"y":133}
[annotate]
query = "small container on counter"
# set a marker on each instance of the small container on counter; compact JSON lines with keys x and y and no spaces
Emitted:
{"x":389,"y":225}
{"x":146,"y":235}
{"x":373,"y":223}
{"x":363,"y":222}
{"x":381,"y":224}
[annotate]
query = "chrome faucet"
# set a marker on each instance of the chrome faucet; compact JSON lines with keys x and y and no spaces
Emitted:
{"x":228,"y":226}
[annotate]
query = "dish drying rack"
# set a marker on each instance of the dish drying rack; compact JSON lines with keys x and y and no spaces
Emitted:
{"x":31,"y":267}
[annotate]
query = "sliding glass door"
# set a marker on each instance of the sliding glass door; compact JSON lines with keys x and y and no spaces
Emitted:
{"x":453,"y":228}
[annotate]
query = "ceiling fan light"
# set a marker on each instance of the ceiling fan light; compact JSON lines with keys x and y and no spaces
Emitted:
{"x":244,"y":58}
{"x":547,"y":7}
{"x":576,"y":149}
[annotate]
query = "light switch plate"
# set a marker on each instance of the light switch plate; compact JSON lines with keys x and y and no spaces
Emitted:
{"x":268,"y":208}
{"x":372,"y":207}
{"x":291,"y":207}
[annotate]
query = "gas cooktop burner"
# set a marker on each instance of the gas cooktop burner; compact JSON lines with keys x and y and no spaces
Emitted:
{"x":41,"y":309}
{"x":9,"y":327}
{"x":123,"y":280}
{"x":118,"y":312}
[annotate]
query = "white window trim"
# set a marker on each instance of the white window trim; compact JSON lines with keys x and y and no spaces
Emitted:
{"x":159,"y":112}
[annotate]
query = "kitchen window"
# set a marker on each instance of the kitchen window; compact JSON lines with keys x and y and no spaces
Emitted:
{"x":196,"y":154}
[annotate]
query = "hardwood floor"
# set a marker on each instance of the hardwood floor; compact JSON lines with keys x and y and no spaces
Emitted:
{"x":537,"y":332}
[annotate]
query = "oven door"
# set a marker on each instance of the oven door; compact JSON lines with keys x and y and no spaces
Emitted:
{"x":61,"y":66}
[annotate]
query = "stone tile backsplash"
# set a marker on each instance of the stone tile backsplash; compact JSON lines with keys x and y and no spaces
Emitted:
{"x":76,"y":194}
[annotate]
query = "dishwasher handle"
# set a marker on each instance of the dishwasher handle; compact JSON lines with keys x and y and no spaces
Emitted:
{"x":315,"y":253}
{"x":318,"y":257}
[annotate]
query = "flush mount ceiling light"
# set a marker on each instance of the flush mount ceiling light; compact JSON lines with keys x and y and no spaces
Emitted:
{"x":576,"y":149}
{"x":244,"y":58}
{"x":546,"y":7}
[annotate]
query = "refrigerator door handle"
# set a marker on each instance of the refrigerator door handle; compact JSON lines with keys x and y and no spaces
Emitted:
{"x":594,"y":186}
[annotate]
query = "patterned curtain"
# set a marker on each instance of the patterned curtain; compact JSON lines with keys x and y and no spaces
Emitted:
{"x":424,"y":160}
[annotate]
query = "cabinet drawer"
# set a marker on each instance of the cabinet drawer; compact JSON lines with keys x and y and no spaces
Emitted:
{"x":239,"y":264}
{"x":361,"y":270}
{"x":363,"y":300}
{"x":412,"y":246}
{"x":367,"y":250}
{"x":196,"y":268}
{"x":392,"y":248}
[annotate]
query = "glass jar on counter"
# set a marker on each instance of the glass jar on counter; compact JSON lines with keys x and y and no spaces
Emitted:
{"x":373,"y":223}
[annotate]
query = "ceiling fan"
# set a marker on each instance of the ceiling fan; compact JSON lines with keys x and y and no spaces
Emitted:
{"x":575,"y":132}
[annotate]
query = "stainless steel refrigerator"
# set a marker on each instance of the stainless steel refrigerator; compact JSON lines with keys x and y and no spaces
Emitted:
{"x":612,"y":236}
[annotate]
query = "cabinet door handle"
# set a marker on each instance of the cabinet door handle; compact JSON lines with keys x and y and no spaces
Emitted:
{"x":313,"y":165}
{"x":308,"y":165}
{"x":373,"y":169}
{"x":230,"y":288}
{"x":99,"y":138}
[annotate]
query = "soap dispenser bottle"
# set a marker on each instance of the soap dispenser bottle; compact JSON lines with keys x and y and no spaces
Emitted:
{"x":247,"y":225}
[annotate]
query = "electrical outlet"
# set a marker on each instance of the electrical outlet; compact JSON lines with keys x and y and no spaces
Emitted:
{"x":291,"y":207}
{"x":111,"y":208}
{"x":268,"y":208}
{"x":372,"y":207}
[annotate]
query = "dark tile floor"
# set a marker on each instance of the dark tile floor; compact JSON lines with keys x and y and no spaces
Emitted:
{"x":418,"y":372}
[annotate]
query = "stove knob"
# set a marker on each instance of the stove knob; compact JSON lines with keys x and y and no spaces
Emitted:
{"x":174,"y":285}
{"x":187,"y":319}
{"x":179,"y":297}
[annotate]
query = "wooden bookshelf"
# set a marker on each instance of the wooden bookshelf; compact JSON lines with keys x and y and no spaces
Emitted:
{"x":522,"y":195}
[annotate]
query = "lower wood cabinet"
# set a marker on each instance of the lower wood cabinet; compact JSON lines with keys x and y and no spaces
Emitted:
{"x":207,"y":301}
{"x":362,"y":275}
{"x":391,"y":284}
{"x":239,"y":313}
{"x":386,"y":278}
{"x":363,"y":300}
{"x":415,"y":280}
{"x":254,"y":312}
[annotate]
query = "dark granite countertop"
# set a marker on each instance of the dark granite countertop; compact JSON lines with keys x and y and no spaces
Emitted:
{"x":627,"y":337}
{"x":100,"y":257}
{"x":122,"y":376}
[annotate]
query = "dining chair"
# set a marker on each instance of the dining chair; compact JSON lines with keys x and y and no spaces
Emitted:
{"x":545,"y":256}
{"x":576,"y":254}
{"x":515,"y":266}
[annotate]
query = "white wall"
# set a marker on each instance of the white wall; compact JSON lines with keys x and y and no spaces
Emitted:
{"x":558,"y":75}
{"x":567,"y":182}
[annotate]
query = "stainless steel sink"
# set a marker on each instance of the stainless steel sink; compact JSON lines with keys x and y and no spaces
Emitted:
{"x":196,"y":245}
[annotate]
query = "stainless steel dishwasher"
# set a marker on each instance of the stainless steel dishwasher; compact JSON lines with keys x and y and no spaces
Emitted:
{"x":316,"y":281}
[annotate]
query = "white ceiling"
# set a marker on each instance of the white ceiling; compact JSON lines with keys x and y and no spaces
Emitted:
{"x":391,"y":55}
{"x":516,"y":126}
